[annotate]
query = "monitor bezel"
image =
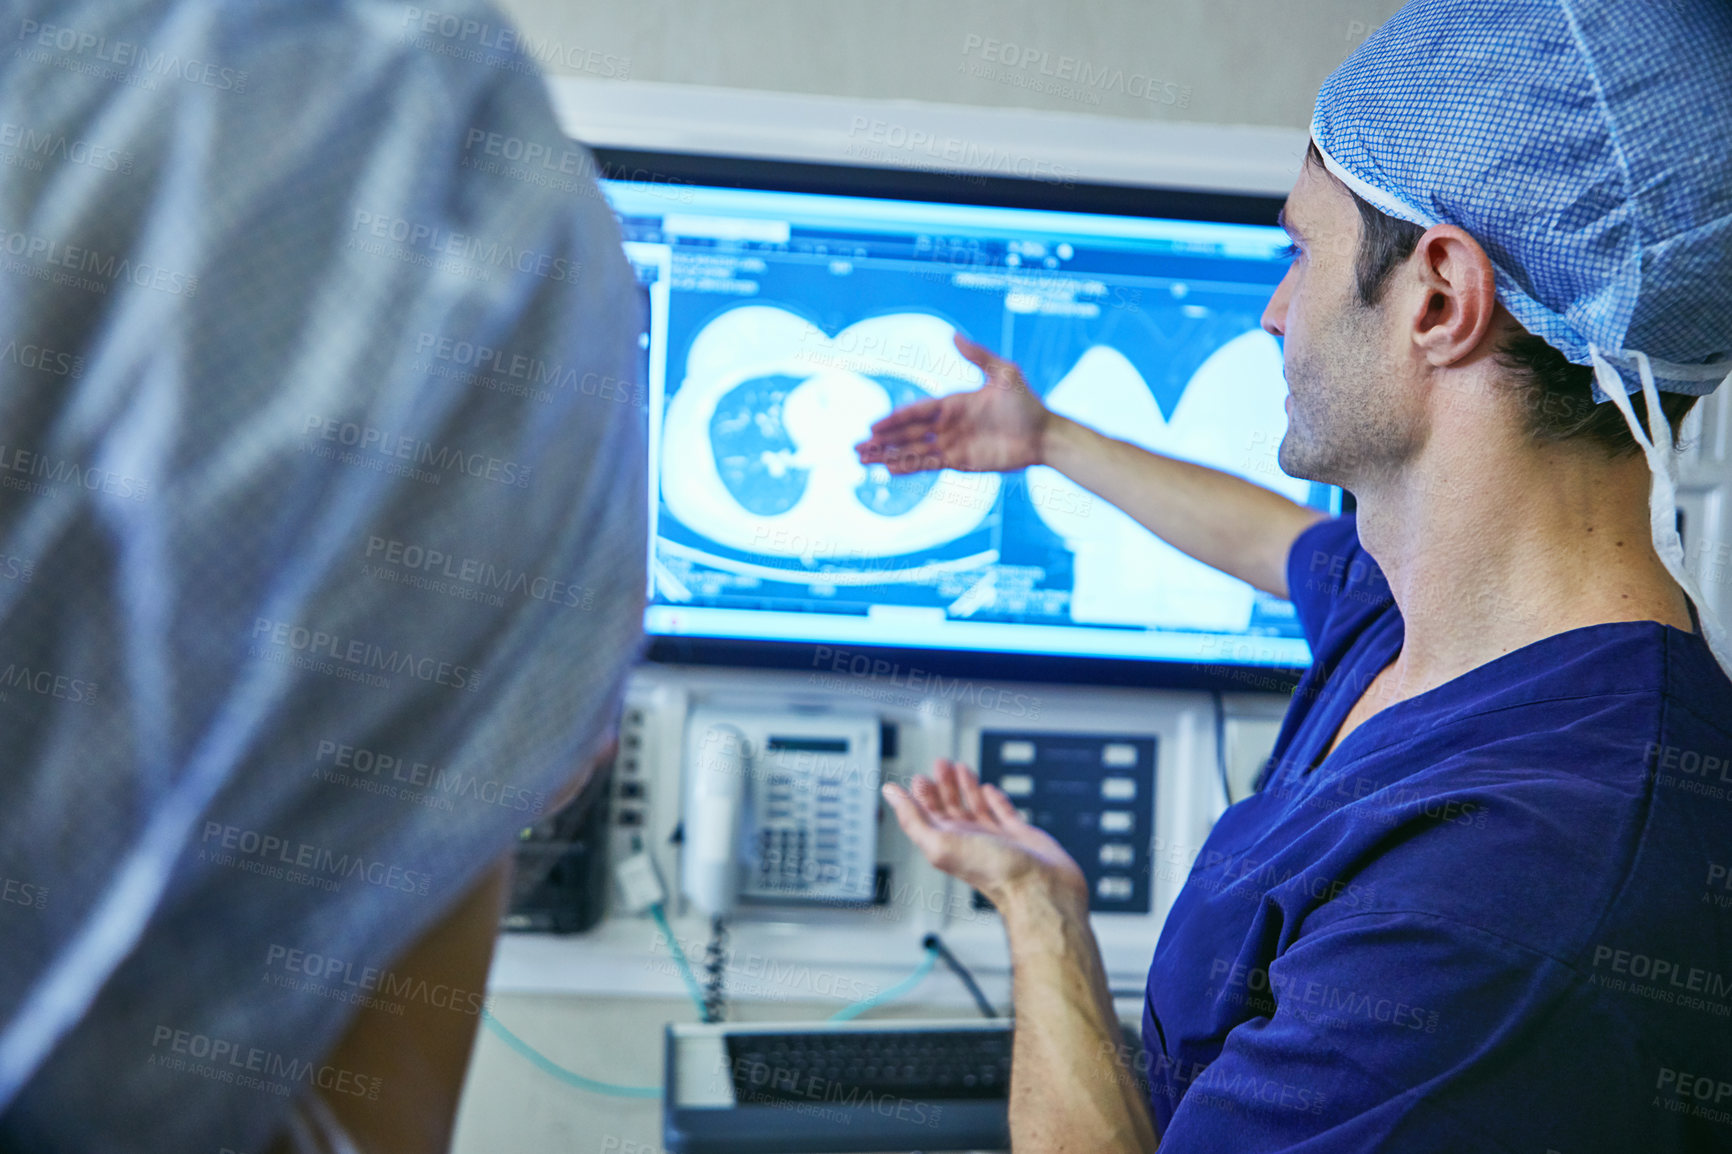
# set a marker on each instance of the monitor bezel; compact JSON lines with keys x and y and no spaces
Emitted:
{"x":894,"y":183}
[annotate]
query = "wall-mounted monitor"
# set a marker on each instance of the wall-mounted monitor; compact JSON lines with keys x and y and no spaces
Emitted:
{"x":792,"y":305}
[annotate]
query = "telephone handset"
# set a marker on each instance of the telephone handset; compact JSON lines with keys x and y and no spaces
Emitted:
{"x":715,"y":792}
{"x":780,"y":806}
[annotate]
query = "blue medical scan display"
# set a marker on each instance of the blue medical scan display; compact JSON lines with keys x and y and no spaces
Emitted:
{"x":783,"y":324}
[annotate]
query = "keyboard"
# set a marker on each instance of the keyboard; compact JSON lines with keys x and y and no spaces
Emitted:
{"x":938,"y":1065}
{"x":837,"y":1087}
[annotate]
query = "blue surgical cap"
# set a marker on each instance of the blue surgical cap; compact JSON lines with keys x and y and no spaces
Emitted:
{"x":1587,"y":146}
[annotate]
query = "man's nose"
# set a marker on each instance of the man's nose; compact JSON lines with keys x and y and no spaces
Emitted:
{"x":1275,"y":312}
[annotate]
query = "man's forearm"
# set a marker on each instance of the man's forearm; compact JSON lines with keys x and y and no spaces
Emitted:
{"x":1069,"y":1088}
{"x":1221,"y":520}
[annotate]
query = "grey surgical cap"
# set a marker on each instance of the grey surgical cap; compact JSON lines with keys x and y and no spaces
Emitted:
{"x":1587,"y":146}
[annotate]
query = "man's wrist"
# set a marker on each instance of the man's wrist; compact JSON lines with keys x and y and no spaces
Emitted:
{"x":1042,"y":898}
{"x":1058,"y":441}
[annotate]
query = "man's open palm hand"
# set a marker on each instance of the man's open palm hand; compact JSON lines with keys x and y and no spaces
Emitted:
{"x":997,"y":428}
{"x":974,"y":833}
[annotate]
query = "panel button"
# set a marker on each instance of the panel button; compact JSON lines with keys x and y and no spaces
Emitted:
{"x":1016,"y":784}
{"x":1119,"y":788}
{"x":1117,"y":853}
{"x":1114,"y":888}
{"x":1117,"y":821}
{"x":1018,"y":753}
{"x":1119,"y":754}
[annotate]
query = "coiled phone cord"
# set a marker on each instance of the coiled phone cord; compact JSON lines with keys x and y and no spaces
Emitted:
{"x":715,"y":972}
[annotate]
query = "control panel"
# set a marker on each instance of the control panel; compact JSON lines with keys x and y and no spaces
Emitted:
{"x":1094,"y":793}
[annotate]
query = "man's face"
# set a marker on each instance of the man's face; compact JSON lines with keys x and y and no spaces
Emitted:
{"x":1348,"y":418}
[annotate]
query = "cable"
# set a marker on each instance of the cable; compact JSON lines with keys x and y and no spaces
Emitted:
{"x":550,"y":1067}
{"x":934,"y":942}
{"x":849,"y":1013}
{"x":715,"y":1003}
{"x":934,"y":950}
{"x":680,"y":962}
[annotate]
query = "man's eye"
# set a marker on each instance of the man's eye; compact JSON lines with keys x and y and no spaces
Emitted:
{"x":1288,"y":252}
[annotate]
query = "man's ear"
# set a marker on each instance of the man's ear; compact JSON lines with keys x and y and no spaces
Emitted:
{"x":1455,"y":309}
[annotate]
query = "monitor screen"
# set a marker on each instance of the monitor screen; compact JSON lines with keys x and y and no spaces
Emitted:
{"x":783,"y":323}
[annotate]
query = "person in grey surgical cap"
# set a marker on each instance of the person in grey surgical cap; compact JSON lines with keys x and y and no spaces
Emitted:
{"x":1472,"y":904}
{"x":309,"y":598}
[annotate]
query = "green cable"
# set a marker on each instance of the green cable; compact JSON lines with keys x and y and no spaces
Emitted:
{"x":552,"y":1068}
{"x":904,"y":986}
{"x":547,"y":1066}
{"x":680,"y":962}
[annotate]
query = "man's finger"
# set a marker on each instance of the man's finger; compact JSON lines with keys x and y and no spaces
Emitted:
{"x":913,"y":461}
{"x":918,"y":412}
{"x":894,"y":457}
{"x":968,"y":789}
{"x":932,"y":797}
{"x":908,"y":809}
{"x":978,"y":354}
{"x":950,"y":789}
{"x":999,"y":371}
{"x":907,"y":448}
{"x":1000,"y":807}
{"x":914,"y":820}
{"x":905,"y":443}
{"x":874,"y":451}
{"x":925,"y":791}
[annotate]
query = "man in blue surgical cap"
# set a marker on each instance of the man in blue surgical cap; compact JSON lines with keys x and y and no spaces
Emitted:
{"x":1479,"y":900}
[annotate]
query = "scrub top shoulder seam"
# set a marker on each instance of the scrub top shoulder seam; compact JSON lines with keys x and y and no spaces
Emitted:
{"x":1406,"y":737}
{"x":1578,"y":976}
{"x":1718,"y":725}
{"x":1644,"y":819}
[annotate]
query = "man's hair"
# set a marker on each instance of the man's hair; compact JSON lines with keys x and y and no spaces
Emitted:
{"x":1556,"y":395}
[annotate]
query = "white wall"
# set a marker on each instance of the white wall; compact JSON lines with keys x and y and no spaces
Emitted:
{"x":1255,"y":62}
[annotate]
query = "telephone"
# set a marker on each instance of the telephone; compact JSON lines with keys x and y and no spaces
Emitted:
{"x":780,"y":806}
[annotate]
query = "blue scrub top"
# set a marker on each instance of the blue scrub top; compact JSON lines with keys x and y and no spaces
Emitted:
{"x":1497,"y":917}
